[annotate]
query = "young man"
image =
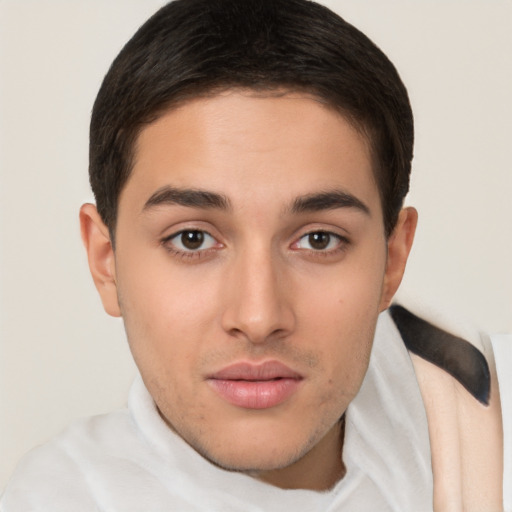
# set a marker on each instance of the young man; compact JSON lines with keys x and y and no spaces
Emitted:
{"x":249,"y":162}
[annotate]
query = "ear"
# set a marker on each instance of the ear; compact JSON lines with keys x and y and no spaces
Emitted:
{"x":399,"y":246}
{"x":100,"y":253}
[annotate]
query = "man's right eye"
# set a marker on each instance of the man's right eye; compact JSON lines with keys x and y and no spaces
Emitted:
{"x":190,"y":240}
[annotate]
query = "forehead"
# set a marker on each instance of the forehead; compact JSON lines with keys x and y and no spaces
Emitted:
{"x":237,"y":140}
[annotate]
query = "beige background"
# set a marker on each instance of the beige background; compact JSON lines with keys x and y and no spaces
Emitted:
{"x":61,"y":357}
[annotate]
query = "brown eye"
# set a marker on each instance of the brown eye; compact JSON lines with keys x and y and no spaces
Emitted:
{"x":319,"y":241}
{"x":192,"y":240}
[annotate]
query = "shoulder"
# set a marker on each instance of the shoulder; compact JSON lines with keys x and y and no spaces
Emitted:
{"x":61,"y":473}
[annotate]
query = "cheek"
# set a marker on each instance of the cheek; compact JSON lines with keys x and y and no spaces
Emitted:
{"x":340,"y":315}
{"x":164,"y":312}
{"x":157,"y":289}
{"x":166,"y":323}
{"x":345,"y":298}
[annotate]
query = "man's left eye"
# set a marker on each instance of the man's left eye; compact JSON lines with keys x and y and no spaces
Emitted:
{"x":190,"y":240}
{"x":319,"y":241}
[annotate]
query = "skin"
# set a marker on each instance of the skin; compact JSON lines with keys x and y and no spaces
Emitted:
{"x":260,"y":288}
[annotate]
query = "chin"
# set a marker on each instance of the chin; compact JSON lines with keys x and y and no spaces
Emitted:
{"x":253,"y":462}
{"x":253,"y":452}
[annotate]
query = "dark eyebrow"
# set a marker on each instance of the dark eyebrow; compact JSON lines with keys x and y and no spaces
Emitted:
{"x":193,"y":198}
{"x":327,"y":201}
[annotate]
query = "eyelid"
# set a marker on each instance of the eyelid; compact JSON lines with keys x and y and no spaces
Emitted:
{"x":179,"y":234}
{"x":322,"y":227}
{"x":334,"y":236}
{"x":191,"y":224}
{"x":342,"y":243}
{"x":178,"y":250}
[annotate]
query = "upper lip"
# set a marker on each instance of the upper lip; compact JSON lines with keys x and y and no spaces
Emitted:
{"x":268,"y":370}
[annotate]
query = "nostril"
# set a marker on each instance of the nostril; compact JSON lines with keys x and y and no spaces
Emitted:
{"x":257,"y":308}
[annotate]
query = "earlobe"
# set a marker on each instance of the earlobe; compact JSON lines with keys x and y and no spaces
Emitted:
{"x":399,"y":247}
{"x":100,"y":254}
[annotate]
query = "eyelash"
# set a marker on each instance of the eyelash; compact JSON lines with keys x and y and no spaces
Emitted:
{"x":341,"y":246}
{"x":192,"y":254}
{"x":189,"y":254}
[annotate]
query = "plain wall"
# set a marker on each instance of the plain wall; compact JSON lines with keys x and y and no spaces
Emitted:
{"x":61,"y":357}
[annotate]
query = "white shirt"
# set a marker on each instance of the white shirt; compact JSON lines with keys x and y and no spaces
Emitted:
{"x":131,"y":461}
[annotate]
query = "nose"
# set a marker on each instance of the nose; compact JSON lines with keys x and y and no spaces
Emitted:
{"x":258,"y":300}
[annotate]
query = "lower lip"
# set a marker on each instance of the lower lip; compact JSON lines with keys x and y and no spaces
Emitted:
{"x":261,"y":394}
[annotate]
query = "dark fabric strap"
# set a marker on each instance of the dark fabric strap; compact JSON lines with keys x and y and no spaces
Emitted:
{"x":456,"y":356}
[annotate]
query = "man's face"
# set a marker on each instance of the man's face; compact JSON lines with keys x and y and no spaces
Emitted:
{"x":250,"y":268}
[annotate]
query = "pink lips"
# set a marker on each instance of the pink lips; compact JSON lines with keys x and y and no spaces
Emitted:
{"x":255,"y":386}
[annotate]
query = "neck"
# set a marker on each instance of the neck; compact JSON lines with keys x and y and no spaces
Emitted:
{"x":319,"y":470}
